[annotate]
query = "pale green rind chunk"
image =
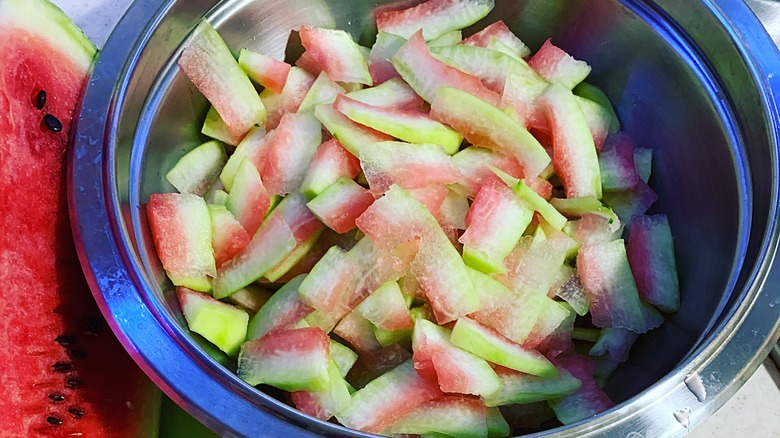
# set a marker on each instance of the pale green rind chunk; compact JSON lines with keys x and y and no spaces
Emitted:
{"x":525,"y":388}
{"x":343,"y":357}
{"x":324,"y":90}
{"x":221,"y":324}
{"x":479,"y":340}
{"x":196,"y":171}
{"x":283,"y":304}
{"x":216,"y":128}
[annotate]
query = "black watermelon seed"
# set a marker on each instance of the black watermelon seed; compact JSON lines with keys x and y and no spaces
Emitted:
{"x":40,"y":99}
{"x":53,"y":420}
{"x":73,"y":382}
{"x":56,"y":397}
{"x":62,"y":367}
{"x":76,"y":412}
{"x":94,"y":325}
{"x":66,"y":340}
{"x":52,"y":123}
{"x":77,"y":354}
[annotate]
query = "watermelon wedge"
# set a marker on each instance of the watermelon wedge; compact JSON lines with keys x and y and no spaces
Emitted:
{"x":448,"y":415}
{"x":357,"y":331}
{"x":337,"y":53}
{"x":290,"y":152}
{"x":215,"y":127}
{"x":387,"y":399}
{"x":254,"y":147}
{"x":323,"y":404}
{"x":386,"y":308}
{"x":434,"y":17}
{"x":485,"y":125}
{"x":474,"y":164}
{"x":426,"y":74}
{"x":616,"y":160}
{"x":264,"y":70}
{"x":409,"y":126}
{"x":56,"y":346}
{"x":181,"y":227}
{"x":248,"y":199}
{"x":208,"y":63}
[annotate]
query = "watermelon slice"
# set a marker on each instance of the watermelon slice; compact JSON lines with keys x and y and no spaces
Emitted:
{"x":500,"y":32}
{"x":595,"y":94}
{"x":254,"y":147}
{"x":614,"y":300}
{"x":267,"y":248}
{"x":494,"y":224}
{"x":351,"y":135}
{"x":616,"y":160}
{"x":455,"y":370}
{"x":558,"y":67}
{"x":386,"y":308}
{"x":434,"y":17}
{"x":408,"y":165}
{"x":447,"y":39}
{"x":409,"y":126}
{"x":585,"y":403}
{"x":57,"y":346}
{"x":448,"y":415}
{"x":181,"y":227}
{"x":651,"y":256}
{"x":340,"y":204}
{"x":228,"y":237}
{"x":387,"y":399}
{"x":323,"y":90}
{"x":524,"y":388}
{"x":357,"y":331}
{"x":248,"y":199}
{"x":208,"y":63}
{"x":384,"y":48}
{"x":298,"y":84}
{"x":304,"y":226}
{"x":289,"y":359}
{"x":325,"y":403}
{"x":290,"y":152}
{"x":489,"y":345}
{"x":329,"y":163}
{"x":393,"y":94}
{"x":264,"y":70}
{"x":337,"y":53}
{"x":426,"y":74}
{"x":432,"y":197}
{"x":281,"y":311}
{"x":215,"y":127}
{"x":576,"y":162}
{"x":307,"y":63}
{"x":196,"y":171}
{"x":485,"y":125}
{"x":220,"y":323}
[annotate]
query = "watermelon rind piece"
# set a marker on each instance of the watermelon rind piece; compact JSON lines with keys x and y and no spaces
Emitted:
{"x":330,"y":163}
{"x":220,"y":323}
{"x":215,"y":127}
{"x":46,"y":21}
{"x":298,"y":84}
{"x":209,"y":64}
{"x":290,"y":359}
{"x":614,"y":343}
{"x":340,"y":204}
{"x":393,"y":93}
{"x":337,"y":53}
{"x":290,"y":153}
{"x":527,"y":194}
{"x":324,"y":90}
{"x":595,"y":94}
{"x":497,"y":427}
{"x":588,"y":334}
{"x":409,"y":126}
{"x":410,"y":166}
{"x":253,"y":146}
{"x":578,"y":207}
{"x":447,"y":39}
{"x":197,"y":170}
{"x":386,"y":399}
{"x":498,"y":32}
{"x":181,"y":228}
{"x":480,"y":121}
{"x":524,"y":388}
{"x":343,"y":357}
{"x":449,"y":415}
{"x":434,"y":17}
{"x":269,"y":246}
{"x":609,"y":284}
{"x":282,"y":310}
{"x":491,"y":346}
{"x":576,"y":160}
{"x":558,"y":67}
{"x":651,"y":256}
{"x":643,"y":160}
{"x":228,"y":237}
{"x":351,"y":135}
{"x":386,"y":308}
{"x":248,"y":199}
{"x":324,"y":403}
{"x":588,"y":401}
{"x":264,"y":70}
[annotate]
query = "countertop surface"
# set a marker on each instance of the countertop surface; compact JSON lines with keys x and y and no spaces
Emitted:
{"x":753,"y":412}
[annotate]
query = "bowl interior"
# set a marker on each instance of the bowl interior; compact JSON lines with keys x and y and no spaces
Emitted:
{"x":665,"y":96}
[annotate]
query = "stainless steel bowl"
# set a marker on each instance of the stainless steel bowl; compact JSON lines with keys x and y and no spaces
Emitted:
{"x":696,"y":81}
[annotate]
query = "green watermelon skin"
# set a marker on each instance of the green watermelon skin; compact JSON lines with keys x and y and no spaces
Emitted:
{"x":53,"y":339}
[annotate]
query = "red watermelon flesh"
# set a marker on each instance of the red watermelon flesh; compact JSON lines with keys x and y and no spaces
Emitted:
{"x":340,"y":204}
{"x":557,"y":66}
{"x":56,"y":347}
{"x":432,"y":197}
{"x":337,"y":53}
{"x":307,"y":62}
{"x":228,"y":237}
{"x":330,"y":162}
